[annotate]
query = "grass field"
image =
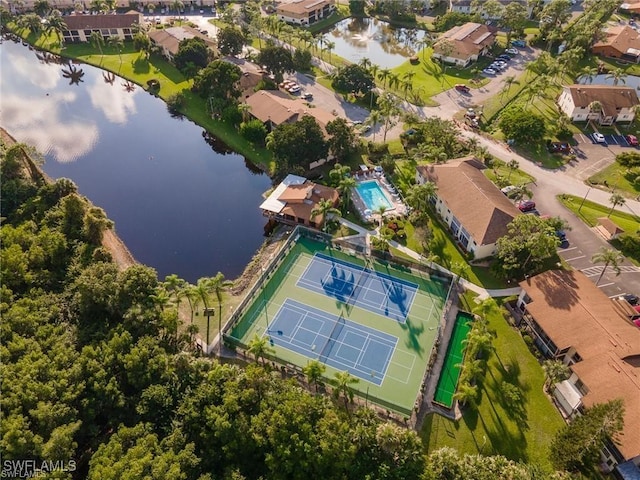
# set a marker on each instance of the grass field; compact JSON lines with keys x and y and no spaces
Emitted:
{"x":614,"y":174}
{"x":520,"y":431}
{"x":407,"y":364}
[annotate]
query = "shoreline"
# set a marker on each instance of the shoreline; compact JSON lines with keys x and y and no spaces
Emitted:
{"x":120,"y":254}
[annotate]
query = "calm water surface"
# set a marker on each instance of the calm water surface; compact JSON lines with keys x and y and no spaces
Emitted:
{"x":179,"y":205}
{"x":384,"y":45}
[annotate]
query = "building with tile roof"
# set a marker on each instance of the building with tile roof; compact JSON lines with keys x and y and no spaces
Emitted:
{"x":475,"y":210}
{"x":305,"y":12}
{"x":79,"y":27}
{"x":168,"y":39}
{"x":464,"y":44}
{"x":616,"y":103}
{"x":621,"y":42}
{"x":572,"y":320}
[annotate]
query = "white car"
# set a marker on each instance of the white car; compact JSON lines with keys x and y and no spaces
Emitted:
{"x":599,"y":138}
{"x":307,"y":96}
{"x":512,"y":51}
{"x":489,"y":71}
{"x":294,"y":89}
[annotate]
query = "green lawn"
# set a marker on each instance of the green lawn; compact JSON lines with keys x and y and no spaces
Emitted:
{"x":512,"y":177}
{"x":614,"y":175}
{"x":520,"y":432}
{"x":591,"y":211}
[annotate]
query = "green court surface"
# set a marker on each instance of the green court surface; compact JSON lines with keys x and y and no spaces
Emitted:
{"x":450,"y":373}
{"x":390,"y":351}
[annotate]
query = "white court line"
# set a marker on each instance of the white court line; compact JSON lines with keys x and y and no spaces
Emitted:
{"x":606,"y":284}
{"x":574,"y":258}
{"x":409,"y":369}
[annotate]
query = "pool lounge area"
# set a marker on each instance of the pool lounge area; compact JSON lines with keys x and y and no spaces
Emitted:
{"x":373,"y":191}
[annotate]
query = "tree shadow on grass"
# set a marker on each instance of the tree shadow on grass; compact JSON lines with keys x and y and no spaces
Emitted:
{"x":141,"y":65}
{"x":165,"y":68}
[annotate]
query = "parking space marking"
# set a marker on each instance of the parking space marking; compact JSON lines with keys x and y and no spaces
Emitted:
{"x":569,"y":249}
{"x":574,"y":258}
{"x":606,"y":284}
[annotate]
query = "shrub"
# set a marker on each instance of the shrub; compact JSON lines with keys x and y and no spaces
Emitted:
{"x":628,"y":159}
{"x":176,"y":102}
{"x":266,"y":84}
{"x":254,"y":131}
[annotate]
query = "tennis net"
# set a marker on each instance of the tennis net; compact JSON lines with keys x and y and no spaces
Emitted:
{"x":354,"y":294}
{"x":335,"y":333}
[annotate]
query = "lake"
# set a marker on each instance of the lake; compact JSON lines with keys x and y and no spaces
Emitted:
{"x":377,"y":40}
{"x":180,"y":204}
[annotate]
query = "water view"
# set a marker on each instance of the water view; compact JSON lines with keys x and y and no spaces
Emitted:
{"x":383,"y":44}
{"x":181,"y":204}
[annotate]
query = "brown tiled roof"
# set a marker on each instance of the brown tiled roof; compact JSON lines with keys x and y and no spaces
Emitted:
{"x":279,"y":108}
{"x":466,"y":40}
{"x":622,"y":38}
{"x":303,"y":209}
{"x":611,"y":97}
{"x":171,"y":37}
{"x":572,"y":311}
{"x":88,"y":22}
{"x":302,"y":6}
{"x":631,"y":7}
{"x":297,"y":193}
{"x":610,"y":226}
{"x":482,"y":209}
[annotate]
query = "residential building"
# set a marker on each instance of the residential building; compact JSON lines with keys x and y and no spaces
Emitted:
{"x":474,"y":209}
{"x":621,"y":42}
{"x":168,"y":39}
{"x":295,"y":198}
{"x":305,"y":12}
{"x":80,"y":27}
{"x":274,"y":108}
{"x":464,"y":44}
{"x":630,"y":7}
{"x":615,"y":103}
{"x":572,"y":320}
{"x":467,"y":6}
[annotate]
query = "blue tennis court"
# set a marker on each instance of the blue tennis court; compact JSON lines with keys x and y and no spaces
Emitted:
{"x":374,"y":291}
{"x":340,"y":343}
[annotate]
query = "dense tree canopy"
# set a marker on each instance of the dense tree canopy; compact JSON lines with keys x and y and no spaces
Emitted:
{"x":353,"y":78}
{"x":220,"y":81}
{"x":192,"y":51}
{"x":230,"y":40}
{"x":522,"y":125}
{"x":342,"y":141}
{"x":278,"y":61}
{"x":299,"y":143}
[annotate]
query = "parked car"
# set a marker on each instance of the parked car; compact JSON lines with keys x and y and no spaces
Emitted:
{"x":470,"y":113}
{"x":461,"y":87}
{"x":307,"y":96}
{"x":631,"y":298}
{"x":504,"y":57}
{"x":526,"y":205}
{"x":294,"y":89}
{"x":489,"y":71}
{"x":559,"y":147}
{"x":631,"y":140}
{"x":508,"y":189}
{"x":599,"y":138}
{"x":512,"y":51}
{"x":518,"y":43}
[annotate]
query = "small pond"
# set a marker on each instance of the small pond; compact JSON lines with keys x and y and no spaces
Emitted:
{"x":377,"y":40}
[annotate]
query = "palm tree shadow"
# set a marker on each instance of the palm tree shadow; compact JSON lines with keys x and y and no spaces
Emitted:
{"x":414,"y":332}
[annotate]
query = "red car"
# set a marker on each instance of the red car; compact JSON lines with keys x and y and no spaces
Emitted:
{"x":526,"y":205}
{"x":461,"y":87}
{"x":631,"y":140}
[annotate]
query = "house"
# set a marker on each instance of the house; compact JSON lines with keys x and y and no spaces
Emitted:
{"x":305,"y":12}
{"x":294,"y":199}
{"x":168,"y":39}
{"x":621,"y":42}
{"x":468,"y":7}
{"x":630,"y":7}
{"x":572,"y":320}
{"x":608,"y":229}
{"x":80,"y":27}
{"x":464,"y":44}
{"x":616,"y":103}
{"x":475,"y":210}
{"x":274,"y":108}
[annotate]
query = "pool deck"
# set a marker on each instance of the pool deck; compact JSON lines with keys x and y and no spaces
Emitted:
{"x":390,"y":193}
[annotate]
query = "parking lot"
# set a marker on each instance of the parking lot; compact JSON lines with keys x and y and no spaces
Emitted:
{"x":619,"y":140}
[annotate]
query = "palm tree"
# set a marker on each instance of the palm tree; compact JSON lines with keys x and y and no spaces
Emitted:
{"x":520,"y":192}
{"x":193,"y":297}
{"x":381,"y":211}
{"x":244,"y":109}
{"x":615,"y":200}
{"x":55,"y":24}
{"x":160,"y":298}
{"x":218,"y":285}
{"x":97,"y":41}
{"x":507,"y":82}
{"x":178,"y":6}
{"x":589,"y":73}
{"x":512,"y":165}
{"x":595,"y":107}
{"x":329,"y":46}
{"x":420,"y":194}
{"x":618,"y":75}
{"x":373,"y":119}
{"x":259,"y":347}
{"x":365,"y":63}
{"x":466,"y":394}
{"x":384,"y":74}
{"x":344,"y":187}
{"x":554,"y":371}
{"x":117,"y":43}
{"x":322,"y":209}
{"x":608,"y":256}
{"x":342,"y":382}
{"x":314,"y":371}
{"x":203,"y":289}
{"x":174,"y":285}
{"x":321,"y":39}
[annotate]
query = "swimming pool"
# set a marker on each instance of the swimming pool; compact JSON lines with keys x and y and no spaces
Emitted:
{"x":372,"y":195}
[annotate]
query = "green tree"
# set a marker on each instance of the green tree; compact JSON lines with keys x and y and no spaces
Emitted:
{"x":512,"y":165}
{"x":299,"y":143}
{"x":342,"y":382}
{"x":419,"y":195}
{"x":346,"y":185}
{"x":230,"y":41}
{"x":578,"y":445}
{"x":142,"y":43}
{"x":608,"y":256}
{"x":342,"y":140}
{"x":314,"y":370}
{"x":218,"y":285}
{"x":514,"y":18}
{"x":467,"y":394}
{"x":97,"y":41}
{"x":628,"y":159}
{"x":521,"y":125}
{"x":528,"y":242}
{"x":219,"y":80}
{"x":41,"y":7}
{"x":55,"y":24}
{"x":555,"y":371}
{"x":322,"y":209}
{"x":94,"y":223}
{"x":278,"y":61}
{"x":353,"y":78}
{"x":615,"y":200}
{"x":259,"y":348}
{"x":356,"y":7}
{"x":192,"y":51}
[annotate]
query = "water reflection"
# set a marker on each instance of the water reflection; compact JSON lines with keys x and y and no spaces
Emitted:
{"x":73,"y":74}
{"x":383,"y":44}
